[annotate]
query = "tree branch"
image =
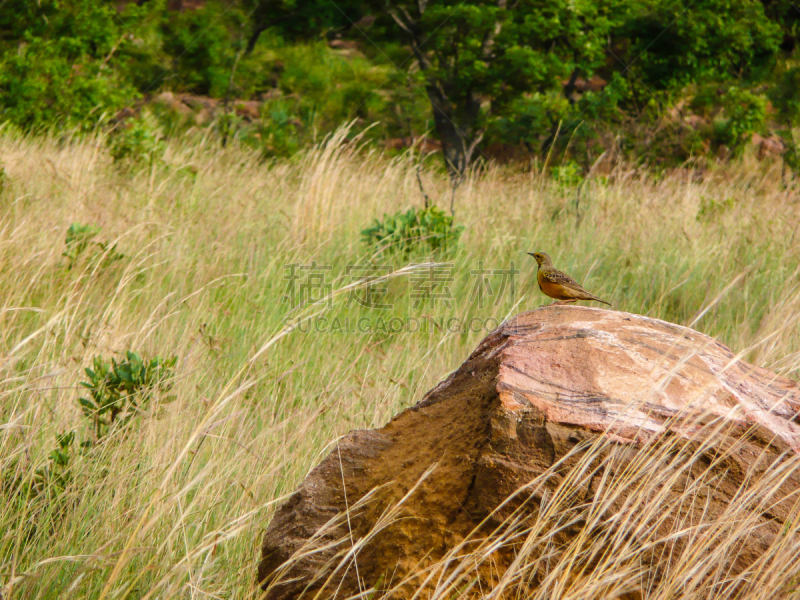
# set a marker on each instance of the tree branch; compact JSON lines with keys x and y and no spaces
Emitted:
{"x":399,"y":21}
{"x":410,"y":27}
{"x":488,"y":41}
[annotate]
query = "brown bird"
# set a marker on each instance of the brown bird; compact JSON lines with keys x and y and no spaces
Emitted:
{"x":559,"y":285}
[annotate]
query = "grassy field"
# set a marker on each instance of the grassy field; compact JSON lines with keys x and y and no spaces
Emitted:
{"x":174,"y":504}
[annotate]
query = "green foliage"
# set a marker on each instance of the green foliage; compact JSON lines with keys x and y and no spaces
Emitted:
{"x":43,"y":490}
{"x":791,"y":156}
{"x":671,"y":145}
{"x":484,"y":61}
{"x":711,"y":209}
{"x":416,"y":231}
{"x":62,"y":63}
{"x":139,"y":141}
{"x":785,"y":97}
{"x":530,"y":118}
{"x":204,"y":47}
{"x":118,"y":391}
{"x":89,"y":24}
{"x":279,"y":133}
{"x":495,"y":71}
{"x":743,"y":113}
{"x":785,"y":14}
{"x":80,"y":238}
{"x":567,"y":174}
{"x":317,"y":90}
{"x":670,"y":44}
{"x":57,"y":472}
{"x":51,"y":82}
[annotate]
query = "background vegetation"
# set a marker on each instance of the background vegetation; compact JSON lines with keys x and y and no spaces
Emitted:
{"x":662,"y":81}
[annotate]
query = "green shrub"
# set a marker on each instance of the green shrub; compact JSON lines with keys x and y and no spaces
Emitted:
{"x":530,"y":119}
{"x":568,"y":174}
{"x":42,"y":491}
{"x":139,"y":141}
{"x":785,"y":99}
{"x":52,"y":82}
{"x":56,"y":474}
{"x":279,"y":131}
{"x":743,"y":113}
{"x":427,"y":230}
{"x":710,"y":208}
{"x":672,"y":43}
{"x":118,"y":391}
{"x":204,"y":44}
{"x":80,"y":238}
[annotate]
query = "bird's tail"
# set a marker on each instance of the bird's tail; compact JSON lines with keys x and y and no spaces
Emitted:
{"x":603,"y":301}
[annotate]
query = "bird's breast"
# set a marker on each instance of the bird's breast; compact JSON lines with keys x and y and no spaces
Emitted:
{"x":554,"y":290}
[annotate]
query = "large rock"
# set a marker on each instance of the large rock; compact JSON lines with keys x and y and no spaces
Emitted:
{"x":536,"y":416}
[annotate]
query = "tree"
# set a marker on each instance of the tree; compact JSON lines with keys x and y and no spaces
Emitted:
{"x":478,"y":57}
{"x":670,"y":44}
{"x":57,"y":63}
{"x":297,"y":19}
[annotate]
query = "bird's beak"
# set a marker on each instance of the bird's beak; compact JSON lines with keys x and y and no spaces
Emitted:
{"x":532,"y":254}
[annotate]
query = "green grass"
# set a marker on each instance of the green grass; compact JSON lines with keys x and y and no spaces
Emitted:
{"x":175,"y":504}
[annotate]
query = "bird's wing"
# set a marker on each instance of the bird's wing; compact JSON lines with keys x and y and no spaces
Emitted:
{"x":560,"y":278}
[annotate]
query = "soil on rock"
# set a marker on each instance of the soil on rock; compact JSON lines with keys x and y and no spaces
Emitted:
{"x":538,"y":394}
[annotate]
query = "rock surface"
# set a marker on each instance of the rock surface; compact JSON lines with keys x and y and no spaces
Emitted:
{"x":536,"y":388}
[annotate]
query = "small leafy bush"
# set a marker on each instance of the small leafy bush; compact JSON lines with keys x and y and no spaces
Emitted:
{"x":43,"y":492}
{"x":80,"y":238}
{"x":140,"y":141}
{"x":56,"y":475}
{"x":281,"y":133}
{"x":710,"y":208}
{"x":568,"y":174}
{"x":119,"y":390}
{"x":427,"y":230}
{"x":743,"y":114}
{"x":784,"y":97}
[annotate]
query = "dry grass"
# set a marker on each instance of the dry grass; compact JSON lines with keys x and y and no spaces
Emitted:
{"x":632,"y":537}
{"x":174,"y":505}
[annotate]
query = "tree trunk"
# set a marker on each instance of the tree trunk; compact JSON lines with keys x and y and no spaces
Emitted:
{"x":459,"y":130}
{"x":459,"y":134}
